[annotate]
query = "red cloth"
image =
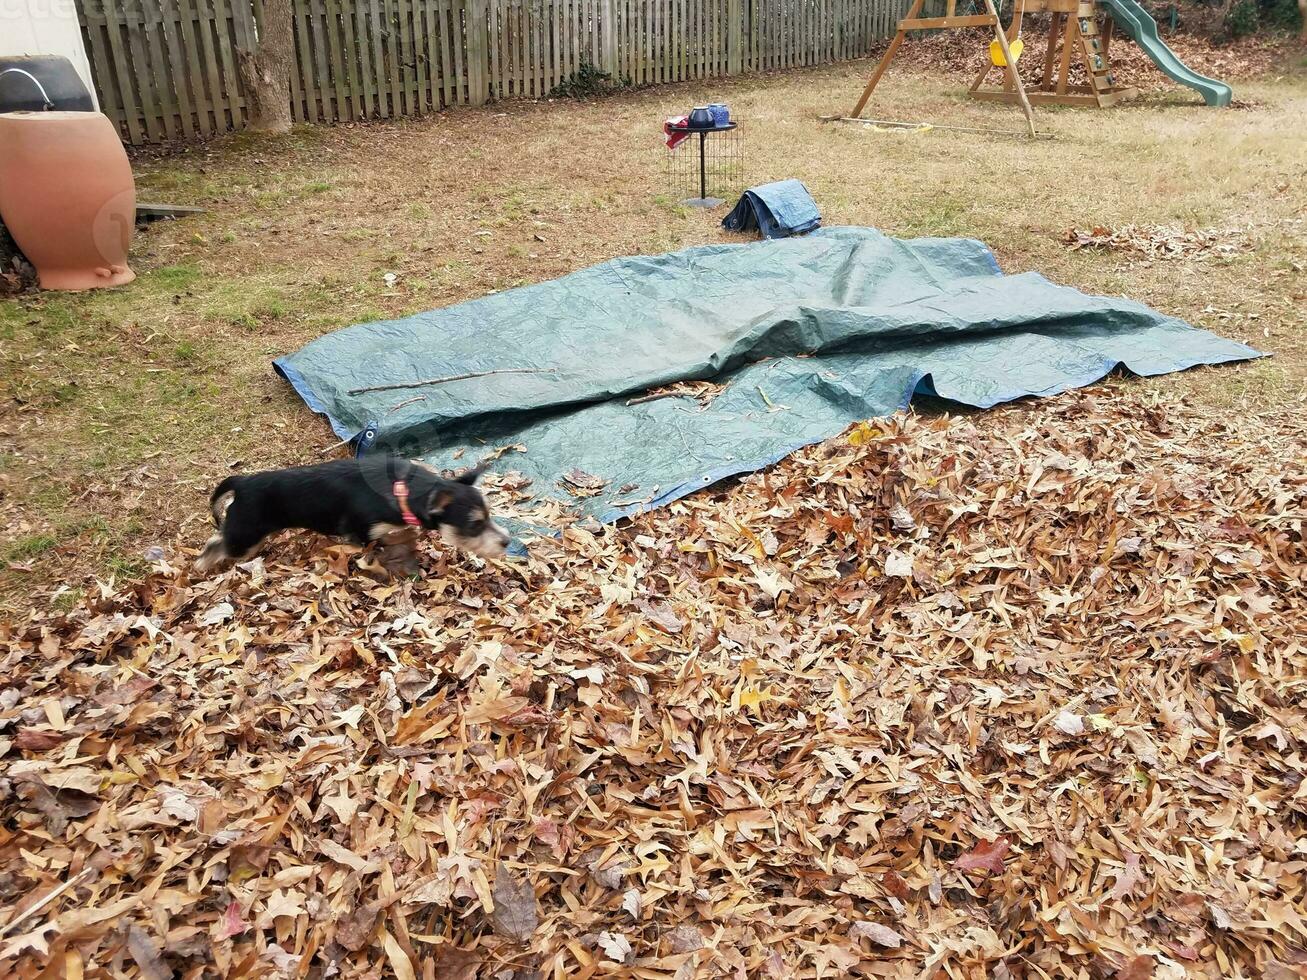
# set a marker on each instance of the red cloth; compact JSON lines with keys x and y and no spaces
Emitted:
{"x":672,"y":136}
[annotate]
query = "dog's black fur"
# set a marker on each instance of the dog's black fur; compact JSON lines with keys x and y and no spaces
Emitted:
{"x":350,"y":498}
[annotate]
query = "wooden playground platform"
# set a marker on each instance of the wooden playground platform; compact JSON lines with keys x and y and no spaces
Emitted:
{"x":1074,"y":38}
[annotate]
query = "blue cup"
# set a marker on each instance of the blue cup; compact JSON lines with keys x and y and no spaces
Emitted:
{"x":721,"y":116}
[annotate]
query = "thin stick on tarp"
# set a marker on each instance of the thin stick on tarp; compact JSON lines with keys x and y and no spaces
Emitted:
{"x":453,"y":377}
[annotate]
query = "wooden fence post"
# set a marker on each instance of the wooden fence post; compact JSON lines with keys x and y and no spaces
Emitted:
{"x":609,"y":8}
{"x":478,"y":51}
{"x":734,"y":62}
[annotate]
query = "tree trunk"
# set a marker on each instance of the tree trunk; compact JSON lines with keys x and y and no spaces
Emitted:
{"x":265,"y":71}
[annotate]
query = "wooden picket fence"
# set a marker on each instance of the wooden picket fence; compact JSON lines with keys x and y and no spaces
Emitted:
{"x":167,"y":69}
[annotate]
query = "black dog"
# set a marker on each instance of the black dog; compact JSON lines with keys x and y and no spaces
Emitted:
{"x":359,"y":499}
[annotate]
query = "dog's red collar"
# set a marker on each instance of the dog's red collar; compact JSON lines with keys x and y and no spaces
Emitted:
{"x":400,"y":490}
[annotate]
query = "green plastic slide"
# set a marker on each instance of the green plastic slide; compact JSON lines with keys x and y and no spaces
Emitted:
{"x":1139,"y":26}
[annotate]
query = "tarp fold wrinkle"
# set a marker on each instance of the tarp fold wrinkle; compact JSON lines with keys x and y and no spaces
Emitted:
{"x":805,"y":334}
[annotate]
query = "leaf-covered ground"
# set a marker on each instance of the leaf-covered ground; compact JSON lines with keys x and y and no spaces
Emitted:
{"x":1018,"y":695}
{"x":123,"y":408}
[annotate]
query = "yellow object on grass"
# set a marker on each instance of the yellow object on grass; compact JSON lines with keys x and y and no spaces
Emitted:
{"x":996,"y":51}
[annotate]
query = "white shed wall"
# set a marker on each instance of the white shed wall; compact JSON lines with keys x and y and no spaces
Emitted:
{"x":44,"y":27}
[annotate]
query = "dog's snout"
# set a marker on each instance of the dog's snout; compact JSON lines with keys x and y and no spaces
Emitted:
{"x":493,"y":546}
{"x":491,"y":541}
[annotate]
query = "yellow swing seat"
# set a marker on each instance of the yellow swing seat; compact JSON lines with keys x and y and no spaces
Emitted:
{"x":1016,"y":46}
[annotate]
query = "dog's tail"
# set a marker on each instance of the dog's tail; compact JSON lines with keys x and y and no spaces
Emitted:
{"x":221,"y":498}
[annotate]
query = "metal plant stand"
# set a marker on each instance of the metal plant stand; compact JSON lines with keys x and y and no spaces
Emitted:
{"x":716,"y":165}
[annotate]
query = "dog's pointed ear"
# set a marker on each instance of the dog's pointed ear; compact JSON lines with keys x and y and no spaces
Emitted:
{"x":440,"y":498}
{"x":469,"y":477}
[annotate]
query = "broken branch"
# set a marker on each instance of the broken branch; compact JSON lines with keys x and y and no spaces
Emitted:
{"x":452,"y":377}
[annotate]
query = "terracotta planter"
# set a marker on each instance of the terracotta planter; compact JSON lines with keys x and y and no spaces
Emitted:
{"x":67,"y":196}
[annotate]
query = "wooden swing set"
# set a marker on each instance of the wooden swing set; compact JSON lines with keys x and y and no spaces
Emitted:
{"x":1074,"y":23}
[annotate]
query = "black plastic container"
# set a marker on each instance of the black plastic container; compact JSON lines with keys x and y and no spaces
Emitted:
{"x":701,"y":117}
{"x":43,"y":81}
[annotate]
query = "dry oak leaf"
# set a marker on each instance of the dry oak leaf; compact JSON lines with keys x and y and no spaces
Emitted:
{"x":752,"y":698}
{"x":80,"y":778}
{"x":772,"y":583}
{"x":37,"y":739}
{"x":894,"y":884}
{"x":557,"y":836}
{"x":841,"y":958}
{"x":354,"y":930}
{"x":662,"y":616}
{"x":898,"y":565}
{"x":1136,"y":968}
{"x":615,"y":946}
{"x":1128,"y":878}
{"x":146,"y":955}
{"x":515,"y":915}
{"x":453,"y":963}
{"x":881,"y":935}
{"x":247,"y":860}
{"x":901,"y":518}
{"x":282,"y":902}
{"x":684,"y":939}
{"x":631,"y":903}
{"x":36,"y":939}
{"x":1069,"y":723}
{"x":231,"y":923}
{"x":343,"y":805}
{"x":220,"y":613}
{"x":985,"y":856}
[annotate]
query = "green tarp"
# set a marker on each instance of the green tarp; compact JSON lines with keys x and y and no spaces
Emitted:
{"x":808,"y":334}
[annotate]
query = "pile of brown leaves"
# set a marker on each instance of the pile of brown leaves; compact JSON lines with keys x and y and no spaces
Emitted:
{"x":1247,"y":57}
{"x":1019,"y":696}
{"x":962,"y":52}
{"x":16,"y":273}
{"x":1161,"y":241}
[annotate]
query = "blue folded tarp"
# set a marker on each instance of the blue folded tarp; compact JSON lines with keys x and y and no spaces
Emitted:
{"x":778,"y":210}
{"x":805,"y":335}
